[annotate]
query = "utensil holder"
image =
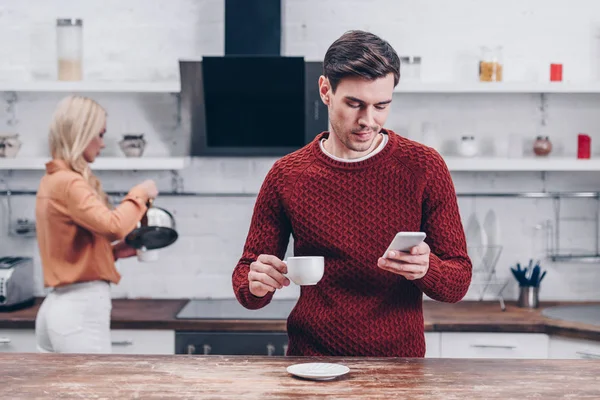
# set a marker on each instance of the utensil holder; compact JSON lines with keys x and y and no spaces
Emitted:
{"x":528,"y":297}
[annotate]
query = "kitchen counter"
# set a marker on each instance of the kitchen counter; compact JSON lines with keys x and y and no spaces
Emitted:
{"x":466,"y":316}
{"x":26,"y":376}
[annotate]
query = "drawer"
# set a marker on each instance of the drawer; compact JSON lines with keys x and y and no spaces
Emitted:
{"x":494,"y":345}
{"x":17,"y":341}
{"x":567,"y":348}
{"x":232,"y":343}
{"x":432,"y":344}
{"x":125,"y":341}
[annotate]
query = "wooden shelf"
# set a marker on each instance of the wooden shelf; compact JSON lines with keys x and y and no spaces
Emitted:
{"x":102,"y":163}
{"x":91,"y":86}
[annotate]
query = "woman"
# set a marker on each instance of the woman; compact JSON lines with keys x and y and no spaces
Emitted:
{"x":75,"y":230}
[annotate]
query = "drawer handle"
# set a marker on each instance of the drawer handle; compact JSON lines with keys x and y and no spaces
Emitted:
{"x":206,"y":349}
{"x":4,"y":340}
{"x":191,"y":349}
{"x":285,"y":347}
{"x":270,"y":349}
{"x":494,"y":346}
{"x":122,"y":342}
{"x":588,"y":356}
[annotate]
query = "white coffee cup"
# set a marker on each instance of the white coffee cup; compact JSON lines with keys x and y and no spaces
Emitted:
{"x":305,"y":271}
{"x":147,"y":255}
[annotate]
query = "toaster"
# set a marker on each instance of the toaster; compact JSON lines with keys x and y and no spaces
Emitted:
{"x":16,"y":283}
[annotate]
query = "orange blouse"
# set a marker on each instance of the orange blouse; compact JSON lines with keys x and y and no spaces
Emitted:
{"x":75,"y":228}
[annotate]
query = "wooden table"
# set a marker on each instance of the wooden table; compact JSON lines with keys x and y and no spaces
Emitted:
{"x":31,"y":376}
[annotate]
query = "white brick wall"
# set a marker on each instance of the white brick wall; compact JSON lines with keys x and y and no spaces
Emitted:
{"x":142,"y":40}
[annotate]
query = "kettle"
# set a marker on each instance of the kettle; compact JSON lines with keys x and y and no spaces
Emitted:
{"x":155,"y":230}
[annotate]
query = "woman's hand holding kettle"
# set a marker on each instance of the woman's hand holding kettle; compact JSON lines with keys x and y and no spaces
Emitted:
{"x":150,"y":188}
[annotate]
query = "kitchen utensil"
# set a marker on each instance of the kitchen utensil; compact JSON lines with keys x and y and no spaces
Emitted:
{"x":476,"y":240}
{"x":9,"y":145}
{"x":530,"y":275}
{"x":519,"y":277}
{"x":528,"y":297}
{"x":17,"y":283}
{"x":155,"y":230}
{"x":318,"y":371}
{"x":535,"y":275}
{"x":492,"y":231}
{"x":133,"y":145}
{"x":542,"y":277}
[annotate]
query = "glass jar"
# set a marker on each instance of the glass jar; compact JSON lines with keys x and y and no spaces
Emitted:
{"x":410,"y":68}
{"x":542,"y":146}
{"x":490,"y":64}
{"x":69,"y":47}
{"x":468,"y":146}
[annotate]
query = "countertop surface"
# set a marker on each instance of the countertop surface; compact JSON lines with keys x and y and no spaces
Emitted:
{"x":30,"y":376}
{"x":465,"y":316}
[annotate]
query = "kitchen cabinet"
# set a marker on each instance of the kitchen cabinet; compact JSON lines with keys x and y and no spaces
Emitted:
{"x":232,"y":343}
{"x":123,"y":341}
{"x":433,"y":344}
{"x":142,"y":341}
{"x":494,"y":345}
{"x":257,"y":343}
{"x":17,"y":341}
{"x":568,"y":348}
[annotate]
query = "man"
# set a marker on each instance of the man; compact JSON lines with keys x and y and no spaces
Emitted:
{"x":344,"y":196}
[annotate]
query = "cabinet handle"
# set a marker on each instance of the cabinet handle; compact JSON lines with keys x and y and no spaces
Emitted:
{"x":270,"y":349}
{"x":206,"y":349}
{"x":191,"y":349}
{"x":4,"y":340}
{"x":285,"y":347}
{"x":122,"y":342}
{"x":588,"y":356}
{"x":494,"y":346}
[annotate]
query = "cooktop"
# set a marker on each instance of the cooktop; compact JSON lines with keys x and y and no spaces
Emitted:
{"x":231,"y":309}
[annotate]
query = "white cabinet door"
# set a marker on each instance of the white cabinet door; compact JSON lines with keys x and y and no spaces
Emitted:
{"x":567,"y":348}
{"x":494,"y":345}
{"x":133,"y":341}
{"x":17,"y":341}
{"x":432,"y":343}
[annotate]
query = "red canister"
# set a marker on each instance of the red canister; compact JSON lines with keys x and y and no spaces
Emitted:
{"x":556,"y":72}
{"x":584,"y":144}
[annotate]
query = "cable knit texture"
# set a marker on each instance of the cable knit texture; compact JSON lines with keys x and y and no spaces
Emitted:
{"x":349,"y":213}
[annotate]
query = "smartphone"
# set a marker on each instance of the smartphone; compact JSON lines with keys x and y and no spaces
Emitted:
{"x":404,"y":241}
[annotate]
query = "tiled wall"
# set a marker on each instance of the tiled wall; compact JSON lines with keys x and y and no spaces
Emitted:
{"x":141,"y":40}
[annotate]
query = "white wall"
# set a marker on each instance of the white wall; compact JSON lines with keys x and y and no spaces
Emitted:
{"x":142,"y":40}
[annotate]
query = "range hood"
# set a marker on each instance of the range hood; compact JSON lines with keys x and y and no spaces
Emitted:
{"x":252,"y":101}
{"x":253,"y":27}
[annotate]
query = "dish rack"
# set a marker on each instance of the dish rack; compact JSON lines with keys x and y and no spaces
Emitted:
{"x":485,"y":280}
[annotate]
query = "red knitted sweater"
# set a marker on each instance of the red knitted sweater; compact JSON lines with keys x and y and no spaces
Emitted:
{"x":349,"y":213}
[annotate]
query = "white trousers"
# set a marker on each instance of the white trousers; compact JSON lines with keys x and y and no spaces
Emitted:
{"x":75,"y":319}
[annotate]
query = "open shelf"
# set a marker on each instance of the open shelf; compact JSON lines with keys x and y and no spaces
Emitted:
{"x":556,"y":164}
{"x":91,"y":86}
{"x":101,"y":163}
{"x":498,"y":87}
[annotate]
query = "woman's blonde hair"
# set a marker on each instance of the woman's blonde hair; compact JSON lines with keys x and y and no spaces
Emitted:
{"x":76,"y":121}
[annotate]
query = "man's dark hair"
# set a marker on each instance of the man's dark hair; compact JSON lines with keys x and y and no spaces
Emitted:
{"x":361,"y":54}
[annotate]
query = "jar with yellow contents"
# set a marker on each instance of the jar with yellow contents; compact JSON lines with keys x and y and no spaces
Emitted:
{"x":490,"y":65}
